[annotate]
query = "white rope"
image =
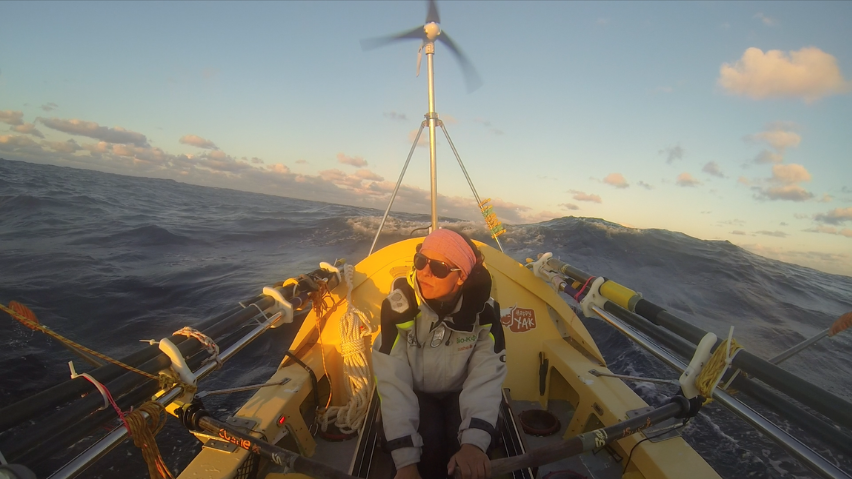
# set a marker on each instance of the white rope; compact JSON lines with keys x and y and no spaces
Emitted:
{"x":354,"y":327}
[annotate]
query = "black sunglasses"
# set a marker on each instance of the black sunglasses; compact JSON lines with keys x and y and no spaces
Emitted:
{"x":439,"y":269}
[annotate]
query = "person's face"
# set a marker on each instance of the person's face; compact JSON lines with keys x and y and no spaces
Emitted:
{"x":432,"y":287}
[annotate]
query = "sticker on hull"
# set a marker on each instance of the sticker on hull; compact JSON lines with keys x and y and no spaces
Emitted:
{"x":518,"y":320}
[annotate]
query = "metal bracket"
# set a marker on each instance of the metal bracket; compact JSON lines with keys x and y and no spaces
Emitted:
{"x":656,"y":432}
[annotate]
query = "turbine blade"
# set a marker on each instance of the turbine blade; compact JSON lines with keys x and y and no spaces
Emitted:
{"x":470,"y":75}
{"x":432,"y":15}
{"x":413,"y":34}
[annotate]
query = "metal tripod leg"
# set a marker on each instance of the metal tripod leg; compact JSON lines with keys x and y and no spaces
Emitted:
{"x":396,"y":188}
{"x":464,"y":170}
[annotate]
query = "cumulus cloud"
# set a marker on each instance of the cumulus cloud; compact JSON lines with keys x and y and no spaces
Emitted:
{"x":785,"y":179}
{"x":366,"y":174}
{"x":197,"y":141}
{"x":12,"y":117}
{"x":351,"y":160}
{"x":568,"y":206}
{"x":49,"y":106}
{"x":744,"y":181}
{"x":256,"y":160}
{"x":93,"y":130}
{"x":645,"y":185}
{"x":617,"y":180}
{"x":777,"y":234}
{"x":581,"y":196}
{"x":278,"y":168}
{"x":738,"y":232}
{"x":712,"y":168}
{"x":777,"y":138}
{"x":672,"y":153}
{"x":766,"y":156}
{"x":685,"y":179}
{"x":835,"y":216}
{"x":395,"y":116}
{"x":301,"y":162}
{"x":12,"y":142}
{"x":809,"y":74}
{"x":29,"y":129}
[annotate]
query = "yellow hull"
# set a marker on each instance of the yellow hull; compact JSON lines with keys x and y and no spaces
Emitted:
{"x":535,"y":319}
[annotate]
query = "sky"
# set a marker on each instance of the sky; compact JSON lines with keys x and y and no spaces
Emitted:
{"x":721,"y":120}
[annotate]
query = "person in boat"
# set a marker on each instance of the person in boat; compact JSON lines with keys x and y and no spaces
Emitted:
{"x":440,"y":362}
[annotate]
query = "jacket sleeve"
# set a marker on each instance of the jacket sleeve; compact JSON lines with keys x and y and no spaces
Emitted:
{"x":400,"y":408}
{"x":481,"y":394}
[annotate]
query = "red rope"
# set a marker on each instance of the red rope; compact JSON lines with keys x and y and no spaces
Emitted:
{"x":577,"y":296}
{"x":111,"y":401}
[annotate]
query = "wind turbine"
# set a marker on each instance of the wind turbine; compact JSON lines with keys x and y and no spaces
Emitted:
{"x":428,"y":34}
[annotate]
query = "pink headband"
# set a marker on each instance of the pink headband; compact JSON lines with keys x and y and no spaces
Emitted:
{"x":453,"y":246}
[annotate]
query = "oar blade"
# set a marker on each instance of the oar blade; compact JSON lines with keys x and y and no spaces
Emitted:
{"x":842,"y":324}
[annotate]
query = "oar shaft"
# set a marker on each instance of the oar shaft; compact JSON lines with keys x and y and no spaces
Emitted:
{"x":277,"y":455}
{"x":587,"y":441}
{"x":799,"y":347}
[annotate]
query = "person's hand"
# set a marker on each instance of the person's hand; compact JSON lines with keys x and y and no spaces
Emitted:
{"x":408,"y":472}
{"x":471,"y":462}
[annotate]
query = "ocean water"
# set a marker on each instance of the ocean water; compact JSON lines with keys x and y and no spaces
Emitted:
{"x":109,"y":260}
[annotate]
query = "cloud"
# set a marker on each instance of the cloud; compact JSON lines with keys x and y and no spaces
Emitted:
{"x":301,"y":162}
{"x":788,"y":174}
{"x":395,"y":116}
{"x":712,"y":168}
{"x":487,"y":124}
{"x":785,"y":192}
{"x":366,"y":174}
{"x":744,"y":181}
{"x":93,"y":130}
{"x":351,"y":160}
{"x":685,"y":179}
{"x":809,"y":74}
{"x":256,"y":160}
{"x":69,"y":146}
{"x":645,"y":185}
{"x":12,"y":117}
{"x":766,"y":156}
{"x":278,"y":168}
{"x":616,"y":180}
{"x":568,"y":206}
{"x":777,"y":234}
{"x":777,"y":138}
{"x":768,"y":21}
{"x":195,"y":140}
{"x":835,"y":216}
{"x":786,"y":177}
{"x":672,"y":153}
{"x":29,"y":129}
{"x":13,"y":142}
{"x":49,"y":106}
{"x":581,"y":196}
{"x":826,"y":198}
{"x":423,"y":141}
{"x":831,"y":230}
{"x":738,"y":232}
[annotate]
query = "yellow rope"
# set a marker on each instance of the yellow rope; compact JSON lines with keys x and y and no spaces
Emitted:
{"x":32,"y":323}
{"x":715,"y":368}
{"x":143,"y":432}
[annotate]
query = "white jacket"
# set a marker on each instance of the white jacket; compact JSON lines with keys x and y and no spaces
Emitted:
{"x":417,"y":350}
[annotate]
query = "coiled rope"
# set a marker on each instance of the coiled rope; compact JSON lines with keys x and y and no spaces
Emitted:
{"x":716,"y":367}
{"x":354,"y":327}
{"x":143,"y":431}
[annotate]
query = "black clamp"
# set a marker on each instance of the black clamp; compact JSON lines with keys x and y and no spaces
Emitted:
{"x":191,"y":414}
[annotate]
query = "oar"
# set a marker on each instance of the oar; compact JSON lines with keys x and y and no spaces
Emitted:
{"x":842,"y":323}
{"x":679,"y":407}
{"x":199,"y":419}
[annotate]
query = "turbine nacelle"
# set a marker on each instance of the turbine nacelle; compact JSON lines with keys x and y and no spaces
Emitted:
{"x":432,"y":30}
